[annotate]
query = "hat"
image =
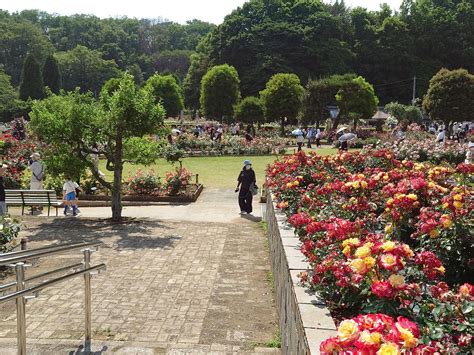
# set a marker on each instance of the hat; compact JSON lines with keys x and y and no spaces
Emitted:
{"x":35,"y":155}
{"x":247,"y":162}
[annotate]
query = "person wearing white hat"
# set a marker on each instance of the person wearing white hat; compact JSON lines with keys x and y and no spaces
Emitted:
{"x":37,"y":172}
{"x":246,"y":181}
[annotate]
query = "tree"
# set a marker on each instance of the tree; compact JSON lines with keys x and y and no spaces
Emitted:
{"x":165,"y":90}
{"x":120,"y":122}
{"x":220,"y":91}
{"x":51,"y":74}
{"x":450,"y":96}
{"x":321,"y":93}
{"x":282,"y":98}
{"x":250,"y":110}
{"x":357,"y":100}
{"x":192,"y":81}
{"x":31,"y":81}
{"x":402,"y":112}
{"x":10,"y":105}
{"x":86,"y":69}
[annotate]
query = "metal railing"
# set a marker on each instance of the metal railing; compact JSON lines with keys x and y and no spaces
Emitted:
{"x":19,"y":259}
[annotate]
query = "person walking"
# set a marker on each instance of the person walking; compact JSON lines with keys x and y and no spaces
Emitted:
{"x":3,"y":206}
{"x":300,"y":141}
{"x":309,"y":137}
{"x":246,"y":181}
{"x":69,"y":196}
{"x":318,"y":138}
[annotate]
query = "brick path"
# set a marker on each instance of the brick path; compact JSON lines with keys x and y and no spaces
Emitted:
{"x":177,"y":287}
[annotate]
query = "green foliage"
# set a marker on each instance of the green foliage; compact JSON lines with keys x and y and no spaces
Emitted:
{"x":174,"y":62}
{"x":85,"y":68}
{"x":51,"y":74}
{"x":192,"y":81}
{"x":250,"y":110}
{"x":31,"y":86}
{"x":220,"y":91}
{"x":402,"y":112}
{"x":282,"y":98}
{"x":450,"y":96}
{"x":321,"y":93}
{"x":166,"y":90}
{"x":357,"y":100}
{"x":10,"y":105}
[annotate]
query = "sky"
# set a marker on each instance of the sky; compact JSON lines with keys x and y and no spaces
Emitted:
{"x":175,"y":10}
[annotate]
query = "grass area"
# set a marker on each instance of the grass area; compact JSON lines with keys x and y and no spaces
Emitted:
{"x":218,"y":172}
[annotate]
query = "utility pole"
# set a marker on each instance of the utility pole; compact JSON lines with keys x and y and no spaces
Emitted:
{"x":414,"y":91}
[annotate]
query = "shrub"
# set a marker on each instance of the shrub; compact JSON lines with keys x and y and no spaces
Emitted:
{"x":143,"y":183}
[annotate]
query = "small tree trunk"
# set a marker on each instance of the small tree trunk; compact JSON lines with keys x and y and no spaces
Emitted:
{"x":355,"y":123}
{"x":282,"y":131}
{"x":117,"y":185}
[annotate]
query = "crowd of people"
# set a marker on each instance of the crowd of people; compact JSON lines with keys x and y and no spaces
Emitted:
{"x":214,"y":132}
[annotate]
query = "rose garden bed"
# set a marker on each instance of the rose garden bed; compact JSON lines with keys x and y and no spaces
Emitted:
{"x":390,"y":248}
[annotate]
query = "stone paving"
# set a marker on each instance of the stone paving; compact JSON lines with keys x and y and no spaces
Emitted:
{"x":172,"y":285}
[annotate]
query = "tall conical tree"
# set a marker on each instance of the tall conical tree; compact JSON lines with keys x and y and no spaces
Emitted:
{"x":51,"y":74}
{"x":31,"y":80}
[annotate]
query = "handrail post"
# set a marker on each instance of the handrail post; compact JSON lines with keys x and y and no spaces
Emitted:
{"x":87,"y":300}
{"x":20,"y":309}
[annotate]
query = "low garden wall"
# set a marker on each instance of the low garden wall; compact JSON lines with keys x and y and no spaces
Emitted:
{"x":305,"y":321}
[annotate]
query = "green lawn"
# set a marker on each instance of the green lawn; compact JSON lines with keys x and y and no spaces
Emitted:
{"x":219,"y":172}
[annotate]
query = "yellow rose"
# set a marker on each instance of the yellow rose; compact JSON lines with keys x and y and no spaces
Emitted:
{"x":445,"y":205}
{"x":390,"y":201}
{"x":358,"y":266}
{"x":434,"y":233}
{"x":447,"y":223}
{"x":407,"y":250}
{"x":364,"y":184}
{"x":457,"y":204}
{"x":385,"y":177}
{"x":412,"y":197}
{"x":389,"y":349}
{"x":407,"y":336}
{"x":346,"y":251}
{"x":457,"y":197}
{"x":388,"y":260}
{"x":296,"y":183}
{"x":441,"y":269}
{"x":370,"y":338}
{"x":289,"y":185}
{"x":356,"y":184}
{"x":396,"y":280}
{"x":431,"y":185}
{"x":351,"y":241}
{"x":369,"y":262}
{"x":348,"y":330}
{"x":362,"y":251}
{"x":388,"y":245}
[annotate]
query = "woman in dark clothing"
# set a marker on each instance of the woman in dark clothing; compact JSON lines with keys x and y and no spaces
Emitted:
{"x":246,"y":180}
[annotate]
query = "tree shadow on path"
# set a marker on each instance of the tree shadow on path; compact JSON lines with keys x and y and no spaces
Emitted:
{"x":130,"y":234}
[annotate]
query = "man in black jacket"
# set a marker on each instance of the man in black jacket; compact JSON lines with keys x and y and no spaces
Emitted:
{"x":246,"y":180}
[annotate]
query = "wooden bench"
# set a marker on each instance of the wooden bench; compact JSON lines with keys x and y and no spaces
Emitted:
{"x":31,"y":198}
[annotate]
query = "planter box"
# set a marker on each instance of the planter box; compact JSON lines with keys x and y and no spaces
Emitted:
{"x":305,"y":321}
{"x":137,"y":200}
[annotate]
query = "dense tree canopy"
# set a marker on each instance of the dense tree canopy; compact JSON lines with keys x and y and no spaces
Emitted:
{"x":282,"y":98}
{"x":357,"y":100}
{"x":263,"y":37}
{"x":85,"y":69}
{"x":450,"y":96}
{"x":250,"y":110}
{"x":220,"y":91}
{"x":9,"y":102}
{"x":165,"y":90}
{"x":408,"y":113}
{"x":51,"y":74}
{"x":31,"y":86}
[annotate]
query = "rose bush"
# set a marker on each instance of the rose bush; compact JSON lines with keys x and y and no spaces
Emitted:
{"x":381,"y":234}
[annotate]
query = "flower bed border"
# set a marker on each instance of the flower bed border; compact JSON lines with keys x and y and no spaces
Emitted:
{"x":304,"y":319}
{"x":136,"y":200}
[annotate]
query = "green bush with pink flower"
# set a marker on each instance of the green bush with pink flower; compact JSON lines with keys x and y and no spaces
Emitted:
{"x":386,"y":239}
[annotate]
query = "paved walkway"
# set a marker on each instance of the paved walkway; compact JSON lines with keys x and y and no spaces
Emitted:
{"x":180,"y":279}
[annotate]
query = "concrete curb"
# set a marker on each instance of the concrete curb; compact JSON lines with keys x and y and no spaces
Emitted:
{"x":305,"y":321}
